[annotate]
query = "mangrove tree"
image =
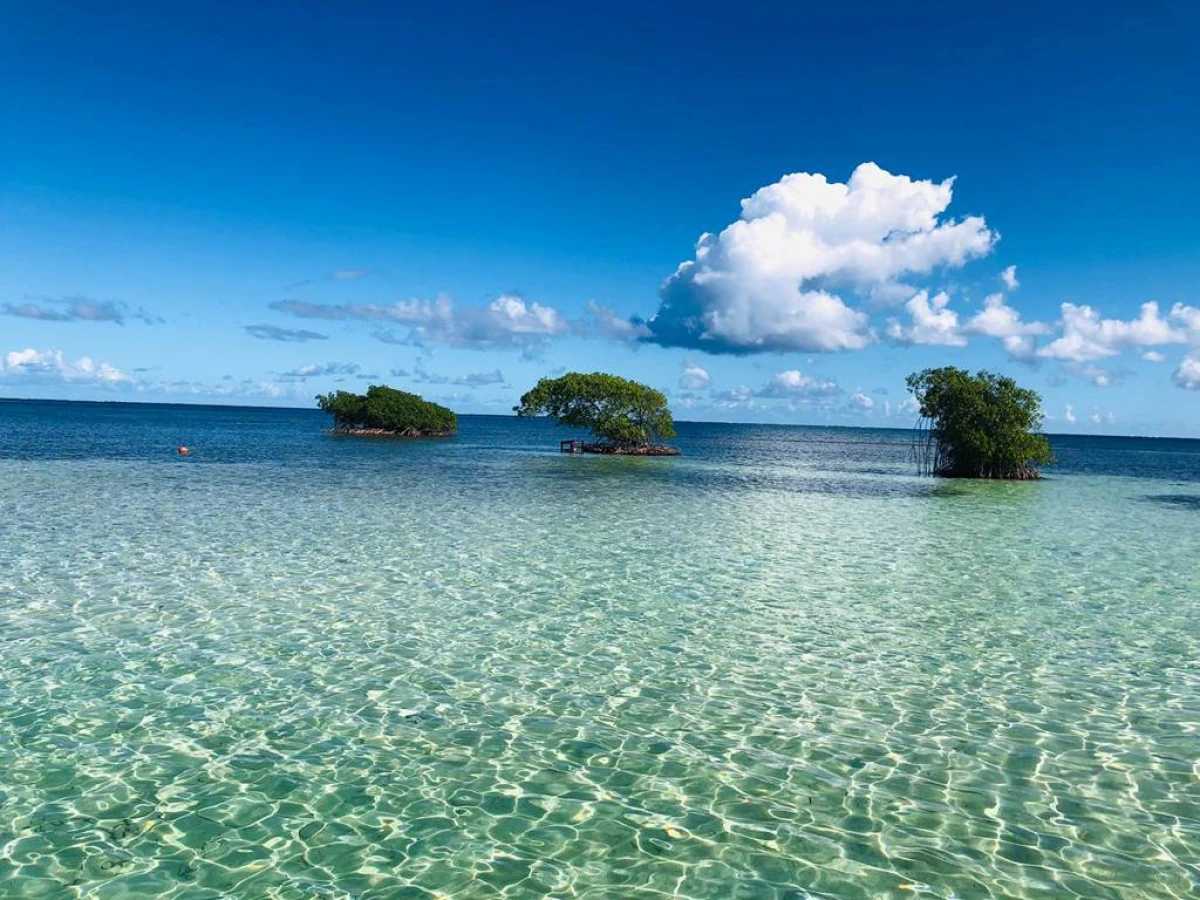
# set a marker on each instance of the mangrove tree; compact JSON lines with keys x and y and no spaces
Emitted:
{"x":623,"y":416}
{"x":978,"y":426}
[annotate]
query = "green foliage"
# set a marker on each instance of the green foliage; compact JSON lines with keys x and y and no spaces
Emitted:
{"x":979,"y":426}
{"x":618,"y":411}
{"x":387,"y":409}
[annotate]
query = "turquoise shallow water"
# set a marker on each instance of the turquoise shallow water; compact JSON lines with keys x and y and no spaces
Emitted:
{"x":779,"y":666}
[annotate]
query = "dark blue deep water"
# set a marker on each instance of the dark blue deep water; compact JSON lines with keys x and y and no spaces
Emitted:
{"x":296,"y":437}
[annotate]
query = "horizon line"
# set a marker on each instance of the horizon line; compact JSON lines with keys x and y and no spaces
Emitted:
{"x":201,"y":405}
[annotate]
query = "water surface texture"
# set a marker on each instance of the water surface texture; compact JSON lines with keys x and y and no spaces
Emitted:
{"x":780,"y":666}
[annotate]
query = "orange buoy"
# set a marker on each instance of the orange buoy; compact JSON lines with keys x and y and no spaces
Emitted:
{"x":183,"y":451}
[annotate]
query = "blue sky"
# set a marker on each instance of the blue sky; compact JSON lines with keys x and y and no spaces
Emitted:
{"x":254,"y":205}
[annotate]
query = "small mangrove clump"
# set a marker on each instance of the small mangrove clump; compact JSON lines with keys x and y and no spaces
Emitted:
{"x":626,"y":418}
{"x":978,"y":426}
{"x":385,"y":411}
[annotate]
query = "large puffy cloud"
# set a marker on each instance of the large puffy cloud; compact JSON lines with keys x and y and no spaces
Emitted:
{"x":1086,"y":336}
{"x":53,"y":366}
{"x":508,"y":321}
{"x":773,"y":280}
{"x":1187,"y":376}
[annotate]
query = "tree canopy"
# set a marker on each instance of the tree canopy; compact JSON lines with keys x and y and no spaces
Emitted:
{"x":386,"y":410}
{"x":623,"y":414}
{"x":978,"y":426}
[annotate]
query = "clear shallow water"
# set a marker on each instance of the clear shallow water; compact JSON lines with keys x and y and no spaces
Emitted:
{"x":780,"y":666}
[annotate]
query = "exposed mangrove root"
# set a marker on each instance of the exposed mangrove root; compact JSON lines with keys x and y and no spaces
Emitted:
{"x":934,"y":458}
{"x":388,"y":432}
{"x":614,"y":450}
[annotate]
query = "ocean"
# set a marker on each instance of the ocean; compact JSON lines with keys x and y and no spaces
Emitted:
{"x":293,"y":665}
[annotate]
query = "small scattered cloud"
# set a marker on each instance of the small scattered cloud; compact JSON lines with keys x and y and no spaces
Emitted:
{"x":603,"y":322}
{"x":337,"y":275}
{"x":932,"y":322}
{"x":1153,"y":356}
{"x":742,"y":394}
{"x":1000,"y":321}
{"x":508,"y":321}
{"x":78,"y":309}
{"x":387,"y":337}
{"x":694,"y":377}
{"x":287,"y":335}
{"x":774,"y":280}
{"x":1188,"y":318}
{"x":420,"y":375}
{"x":480,"y":379}
{"x":794,"y":384}
{"x":1098,"y":375}
{"x":30,"y":365}
{"x":1009,"y":278}
{"x":1069,"y":414}
{"x":228,"y":386}
{"x":1187,"y":376}
{"x":861,"y":402}
{"x":314,"y":370}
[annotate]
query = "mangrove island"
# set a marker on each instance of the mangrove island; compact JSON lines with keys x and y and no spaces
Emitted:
{"x":625,"y":417}
{"x":387,"y":412}
{"x":978,"y":426}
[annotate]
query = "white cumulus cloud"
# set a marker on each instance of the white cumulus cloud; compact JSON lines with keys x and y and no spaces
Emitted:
{"x":932,"y":322}
{"x":861,"y":401}
{"x":1069,"y":414}
{"x":1086,"y":336}
{"x":509,"y":320}
{"x":603,"y":322}
{"x":52,"y":365}
{"x":312,"y":370}
{"x":694,"y":377}
{"x":999,"y":320}
{"x":795,"y":384}
{"x":1188,"y":318}
{"x":1187,"y":376}
{"x":1009,"y":277}
{"x":773,"y":280}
